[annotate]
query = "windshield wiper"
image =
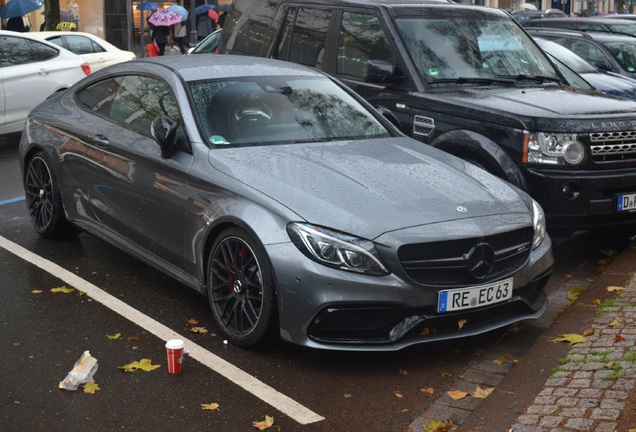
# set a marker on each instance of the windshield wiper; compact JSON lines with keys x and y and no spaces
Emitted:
{"x":535,"y":78}
{"x":472,"y":80}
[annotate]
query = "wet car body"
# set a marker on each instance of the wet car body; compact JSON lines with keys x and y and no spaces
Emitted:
{"x":270,"y":198}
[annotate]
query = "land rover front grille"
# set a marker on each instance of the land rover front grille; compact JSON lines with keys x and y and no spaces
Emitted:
{"x":449,"y":263}
{"x":613,"y":146}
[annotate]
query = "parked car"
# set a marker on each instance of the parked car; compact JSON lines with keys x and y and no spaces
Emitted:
{"x":97,"y":52}
{"x":592,"y":24}
{"x":609,"y":52}
{"x":30,"y":71}
{"x":207,"y":45}
{"x":288,"y":200}
{"x":523,"y":15}
{"x":467,"y":80}
{"x":581,"y":74}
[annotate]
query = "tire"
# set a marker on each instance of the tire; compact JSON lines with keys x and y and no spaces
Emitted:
{"x":43,"y":199}
{"x":241,"y":289}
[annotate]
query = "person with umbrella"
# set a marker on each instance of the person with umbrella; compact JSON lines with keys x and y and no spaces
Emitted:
{"x":159,"y":34}
{"x":16,"y":24}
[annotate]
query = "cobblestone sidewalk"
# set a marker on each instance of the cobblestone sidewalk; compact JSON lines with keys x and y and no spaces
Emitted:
{"x":589,"y":388}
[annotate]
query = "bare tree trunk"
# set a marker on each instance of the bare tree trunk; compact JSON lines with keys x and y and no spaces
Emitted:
{"x":52,"y":14}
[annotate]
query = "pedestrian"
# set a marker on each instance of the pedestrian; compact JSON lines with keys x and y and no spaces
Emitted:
{"x":180,"y":32}
{"x":16,"y":24}
{"x":205,"y":26}
{"x":159,"y":35}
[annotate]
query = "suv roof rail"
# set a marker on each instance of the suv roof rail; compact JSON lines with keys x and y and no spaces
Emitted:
{"x":544,"y":30}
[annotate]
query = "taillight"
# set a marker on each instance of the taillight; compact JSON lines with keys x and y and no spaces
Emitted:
{"x":86,"y":68}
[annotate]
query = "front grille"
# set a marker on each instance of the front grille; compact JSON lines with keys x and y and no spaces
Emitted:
{"x":613,"y":146}
{"x":447,"y":263}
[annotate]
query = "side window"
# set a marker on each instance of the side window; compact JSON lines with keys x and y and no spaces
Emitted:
{"x":99,"y":97}
{"x":133,"y":100}
{"x":57,"y":40}
{"x":140,"y":99}
{"x":361,"y":39}
{"x":304,"y":36}
{"x":82,"y":45}
{"x":17,"y":51}
{"x":588,"y":51}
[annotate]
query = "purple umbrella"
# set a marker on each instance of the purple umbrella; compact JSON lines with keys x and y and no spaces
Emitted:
{"x":165,"y":17}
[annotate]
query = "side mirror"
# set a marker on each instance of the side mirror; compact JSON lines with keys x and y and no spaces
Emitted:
{"x":602,"y":65}
{"x":381,"y":72}
{"x":164,"y":130}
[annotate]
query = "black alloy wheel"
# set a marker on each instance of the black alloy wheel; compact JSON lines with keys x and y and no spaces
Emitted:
{"x":241,"y":290}
{"x":43,"y":199}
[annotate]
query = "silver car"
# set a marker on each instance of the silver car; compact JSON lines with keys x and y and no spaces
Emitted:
{"x":288,"y":201}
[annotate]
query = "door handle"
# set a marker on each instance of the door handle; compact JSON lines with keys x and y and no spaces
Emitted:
{"x":100,"y":141}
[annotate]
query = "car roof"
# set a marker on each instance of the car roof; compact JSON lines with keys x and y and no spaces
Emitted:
{"x":599,"y":36}
{"x":194,"y":68}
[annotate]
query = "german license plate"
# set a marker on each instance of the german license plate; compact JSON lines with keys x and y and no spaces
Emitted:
{"x":627,"y":202}
{"x":468,"y":298}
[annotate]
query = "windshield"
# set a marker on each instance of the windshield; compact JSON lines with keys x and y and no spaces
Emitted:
{"x":475,"y":45}
{"x":573,"y":61}
{"x":625,"y":53}
{"x":623,"y":28}
{"x":280,"y":110}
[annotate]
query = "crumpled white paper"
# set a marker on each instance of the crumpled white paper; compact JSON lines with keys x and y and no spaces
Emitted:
{"x":82,"y":372}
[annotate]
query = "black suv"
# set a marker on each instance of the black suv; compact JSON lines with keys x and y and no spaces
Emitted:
{"x":468,"y":80}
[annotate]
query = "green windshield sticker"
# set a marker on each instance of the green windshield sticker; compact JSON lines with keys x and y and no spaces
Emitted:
{"x":217,"y":139}
{"x":433,"y":72}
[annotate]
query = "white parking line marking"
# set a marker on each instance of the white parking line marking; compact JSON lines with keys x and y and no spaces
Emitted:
{"x":250,"y":384}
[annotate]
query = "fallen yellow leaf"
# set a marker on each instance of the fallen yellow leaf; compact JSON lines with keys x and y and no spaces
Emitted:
{"x":590,"y":279}
{"x":614,"y":288}
{"x":62,"y":289}
{"x":588,"y":332}
{"x":91,"y":387}
{"x":192,"y":321}
{"x":425,"y":331}
{"x":461,"y":323}
{"x":114,"y":337}
{"x":210,"y":406}
{"x":480,"y":393}
{"x":201,"y":330}
{"x":596,"y":302}
{"x":405,"y":410}
{"x":457,"y":394}
{"x":574,"y":293}
{"x":265,"y":424}
{"x":616,"y":323}
{"x":398,"y":394}
{"x":571,"y":338}
{"x":428,"y":390}
{"x":567,"y":276}
{"x":501,"y":360}
{"x":36,"y":292}
{"x":144,"y":364}
{"x":404,"y":372}
{"x":438,"y":426}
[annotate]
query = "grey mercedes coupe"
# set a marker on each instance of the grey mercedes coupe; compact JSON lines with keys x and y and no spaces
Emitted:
{"x":296,"y":208}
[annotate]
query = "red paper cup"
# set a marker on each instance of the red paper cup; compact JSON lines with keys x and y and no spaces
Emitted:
{"x":175,"y":347}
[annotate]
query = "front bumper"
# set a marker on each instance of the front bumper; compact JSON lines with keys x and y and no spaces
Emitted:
{"x":326,"y":308}
{"x":582,"y":199}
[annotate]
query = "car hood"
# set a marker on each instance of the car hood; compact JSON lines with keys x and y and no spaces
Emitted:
{"x":369,"y":187}
{"x":549,"y":108}
{"x":613,"y":85}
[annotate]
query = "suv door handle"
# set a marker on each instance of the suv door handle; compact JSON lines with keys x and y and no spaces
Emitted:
{"x":100,"y":141}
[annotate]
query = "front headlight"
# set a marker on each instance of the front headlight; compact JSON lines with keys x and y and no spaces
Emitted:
{"x":553,"y":149}
{"x":336,"y":249}
{"x":538,"y":220}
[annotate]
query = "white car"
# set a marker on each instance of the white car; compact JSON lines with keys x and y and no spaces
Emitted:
{"x":30,"y":71}
{"x":97,"y":52}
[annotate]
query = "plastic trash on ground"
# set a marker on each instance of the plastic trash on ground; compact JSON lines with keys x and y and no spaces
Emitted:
{"x":82,"y":372}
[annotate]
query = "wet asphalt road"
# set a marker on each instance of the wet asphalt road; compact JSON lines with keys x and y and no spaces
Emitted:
{"x":43,"y":334}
